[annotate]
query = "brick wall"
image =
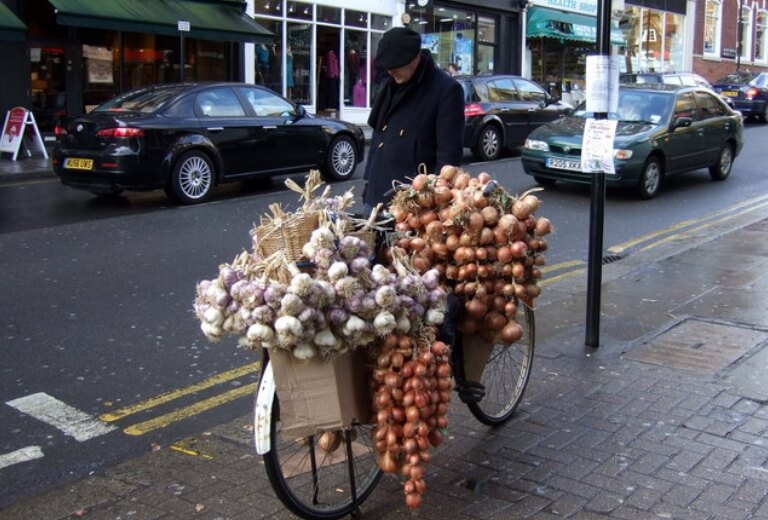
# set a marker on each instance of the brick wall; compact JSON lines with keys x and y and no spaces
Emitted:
{"x":712,"y":68}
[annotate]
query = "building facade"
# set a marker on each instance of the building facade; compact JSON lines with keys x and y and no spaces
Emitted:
{"x":323,"y":52}
{"x":71,"y":56}
{"x":730,"y":35}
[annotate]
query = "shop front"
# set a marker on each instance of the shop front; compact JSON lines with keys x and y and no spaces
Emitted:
{"x":323,"y":52}
{"x":13,"y":32}
{"x":655,"y":34}
{"x":81,"y":54}
{"x":559,"y":40}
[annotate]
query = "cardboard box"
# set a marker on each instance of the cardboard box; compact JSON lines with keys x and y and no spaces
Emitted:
{"x":318,"y":395}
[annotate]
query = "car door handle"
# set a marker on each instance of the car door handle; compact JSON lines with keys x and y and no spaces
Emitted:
{"x":215,"y":128}
{"x":270,"y":127}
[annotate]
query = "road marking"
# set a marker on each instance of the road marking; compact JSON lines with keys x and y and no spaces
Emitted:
{"x":687,"y":232}
{"x":561,"y":265}
{"x":22,"y":455}
{"x":60,"y":415}
{"x":561,"y":277}
{"x":188,"y":411}
{"x":152,"y":402}
{"x":620,"y":248}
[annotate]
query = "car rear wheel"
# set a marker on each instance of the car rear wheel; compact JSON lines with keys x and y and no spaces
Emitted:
{"x":341,"y":161}
{"x":722,"y":168}
{"x":763,"y":116}
{"x":650,"y":179}
{"x":192,"y":178}
{"x":488,"y":147}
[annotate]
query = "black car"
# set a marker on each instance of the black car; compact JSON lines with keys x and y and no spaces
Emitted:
{"x":186,"y":138}
{"x":668,"y":78}
{"x":748,"y":91}
{"x":500,"y":112}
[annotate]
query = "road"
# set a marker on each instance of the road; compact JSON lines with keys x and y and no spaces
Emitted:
{"x":102,"y":356}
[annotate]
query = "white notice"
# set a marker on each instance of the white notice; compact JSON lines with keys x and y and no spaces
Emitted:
{"x":602,"y":85}
{"x":597,"y":147}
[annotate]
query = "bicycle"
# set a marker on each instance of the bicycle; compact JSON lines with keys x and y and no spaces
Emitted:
{"x":314,"y":484}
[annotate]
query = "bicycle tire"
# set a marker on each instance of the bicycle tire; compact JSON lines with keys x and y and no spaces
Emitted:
{"x":506,"y":364}
{"x":320,"y":487}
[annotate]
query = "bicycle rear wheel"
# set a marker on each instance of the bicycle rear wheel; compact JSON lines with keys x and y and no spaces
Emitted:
{"x":506,"y":374}
{"x":315,"y":484}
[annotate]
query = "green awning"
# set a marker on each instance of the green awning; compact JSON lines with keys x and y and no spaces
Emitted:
{"x":548,"y":23}
{"x":224,"y":20}
{"x":11,"y":28}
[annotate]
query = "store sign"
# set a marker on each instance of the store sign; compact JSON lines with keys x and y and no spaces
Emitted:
{"x":728,"y":52}
{"x":577,"y":6}
{"x":183,"y":26}
{"x":17,"y":123}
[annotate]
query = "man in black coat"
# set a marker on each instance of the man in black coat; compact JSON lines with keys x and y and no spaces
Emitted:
{"x":417,"y":116}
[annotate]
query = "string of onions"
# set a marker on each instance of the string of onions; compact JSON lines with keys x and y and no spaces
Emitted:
{"x":487,"y":245}
{"x":411,"y":390}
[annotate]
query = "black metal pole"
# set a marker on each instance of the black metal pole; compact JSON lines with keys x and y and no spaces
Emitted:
{"x":181,"y":58}
{"x":597,"y":201}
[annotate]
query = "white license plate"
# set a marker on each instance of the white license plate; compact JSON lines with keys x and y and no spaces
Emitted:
{"x":564,"y":164}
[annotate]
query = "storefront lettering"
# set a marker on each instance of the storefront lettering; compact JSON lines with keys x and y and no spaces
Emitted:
{"x":579,"y":6}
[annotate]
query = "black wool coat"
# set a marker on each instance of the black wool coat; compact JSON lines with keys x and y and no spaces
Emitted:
{"x":425,"y":126}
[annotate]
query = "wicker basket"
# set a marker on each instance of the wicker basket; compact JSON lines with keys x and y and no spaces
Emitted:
{"x":287,"y":235}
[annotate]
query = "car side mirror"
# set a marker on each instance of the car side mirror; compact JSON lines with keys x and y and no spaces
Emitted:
{"x":681,"y":122}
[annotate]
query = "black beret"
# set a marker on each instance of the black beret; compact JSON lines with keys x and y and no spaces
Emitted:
{"x":397,"y":48}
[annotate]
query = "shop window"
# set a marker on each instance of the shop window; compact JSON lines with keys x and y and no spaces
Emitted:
{"x":268,"y":7}
{"x":761,"y":37}
{"x":450,"y":35}
{"x":355,"y":18}
{"x":299,"y":10}
{"x":380,"y":22}
{"x":47,"y":68}
{"x":745,"y":45}
{"x":270,"y":61}
{"x":326,"y":14}
{"x":674,"y":27}
{"x":712,"y":20}
{"x":355,"y":68}
{"x":298,"y":80}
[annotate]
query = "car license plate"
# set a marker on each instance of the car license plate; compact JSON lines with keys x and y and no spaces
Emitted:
{"x":564,"y":164}
{"x":78,"y":164}
{"x":730,"y":93}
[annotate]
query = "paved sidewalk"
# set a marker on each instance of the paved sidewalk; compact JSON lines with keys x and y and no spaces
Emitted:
{"x":667,"y":419}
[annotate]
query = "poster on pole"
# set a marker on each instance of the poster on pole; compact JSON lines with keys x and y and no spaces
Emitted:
{"x":602,"y":85}
{"x":18,"y":123}
{"x":597,"y":147}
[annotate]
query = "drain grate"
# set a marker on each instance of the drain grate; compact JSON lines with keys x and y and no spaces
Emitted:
{"x":698,"y":345}
{"x":609,"y":259}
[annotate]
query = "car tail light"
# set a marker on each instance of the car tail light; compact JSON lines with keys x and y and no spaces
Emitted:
{"x":473,"y":109}
{"x":121,"y":131}
{"x":751,"y":93}
{"x":59,"y":131}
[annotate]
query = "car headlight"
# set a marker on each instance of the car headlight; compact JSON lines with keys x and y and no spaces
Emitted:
{"x":533,"y":144}
{"x":622,"y":154}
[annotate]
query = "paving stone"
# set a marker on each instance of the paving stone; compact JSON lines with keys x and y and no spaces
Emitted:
{"x":642,"y":498}
{"x":681,"y":495}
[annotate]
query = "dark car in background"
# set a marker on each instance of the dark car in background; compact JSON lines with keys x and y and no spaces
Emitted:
{"x":748,"y":91}
{"x":500,"y":111}
{"x":661,"y":130}
{"x":186,"y":138}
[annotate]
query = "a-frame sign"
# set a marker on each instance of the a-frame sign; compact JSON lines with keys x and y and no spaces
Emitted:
{"x":20,"y":129}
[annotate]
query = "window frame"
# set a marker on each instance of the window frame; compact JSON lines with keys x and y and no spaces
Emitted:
{"x":745,"y":47}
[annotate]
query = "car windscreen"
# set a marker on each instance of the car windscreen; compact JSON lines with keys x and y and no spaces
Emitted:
{"x":636,"y":106}
{"x":145,"y":101}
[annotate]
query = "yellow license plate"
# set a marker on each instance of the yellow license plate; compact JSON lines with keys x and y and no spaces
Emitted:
{"x":730,"y":93}
{"x":78,"y":164}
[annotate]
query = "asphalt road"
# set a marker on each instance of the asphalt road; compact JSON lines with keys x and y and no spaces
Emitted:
{"x":96,"y":296}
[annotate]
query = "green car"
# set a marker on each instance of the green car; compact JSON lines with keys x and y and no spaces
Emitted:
{"x":662,"y":130}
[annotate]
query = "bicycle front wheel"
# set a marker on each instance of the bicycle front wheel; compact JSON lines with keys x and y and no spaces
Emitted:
{"x":506,"y":374}
{"x":321,"y":483}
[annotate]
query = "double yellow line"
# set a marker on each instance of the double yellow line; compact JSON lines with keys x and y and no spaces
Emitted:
{"x":188,"y":411}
